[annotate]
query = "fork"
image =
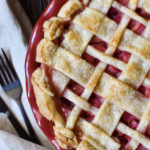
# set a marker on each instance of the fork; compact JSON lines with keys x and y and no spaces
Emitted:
{"x":10,"y":83}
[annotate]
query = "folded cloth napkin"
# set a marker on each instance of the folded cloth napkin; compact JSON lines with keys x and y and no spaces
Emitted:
{"x":15,"y":143}
{"x":15,"y":29}
{"x":20,"y":144}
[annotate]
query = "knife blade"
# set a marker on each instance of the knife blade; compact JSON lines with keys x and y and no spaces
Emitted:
{"x":19,"y":129}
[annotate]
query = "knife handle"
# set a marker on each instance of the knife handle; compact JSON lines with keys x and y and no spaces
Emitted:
{"x":21,"y":132}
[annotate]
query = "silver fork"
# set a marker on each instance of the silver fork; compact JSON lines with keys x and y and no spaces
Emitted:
{"x":10,"y":83}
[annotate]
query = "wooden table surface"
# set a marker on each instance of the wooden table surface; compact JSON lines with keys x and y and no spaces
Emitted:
{"x":34,"y":8}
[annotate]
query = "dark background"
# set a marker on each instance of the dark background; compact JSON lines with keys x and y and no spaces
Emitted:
{"x":34,"y":8}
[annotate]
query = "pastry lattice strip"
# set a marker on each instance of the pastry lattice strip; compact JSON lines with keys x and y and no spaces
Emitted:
{"x":110,"y":51}
{"x":122,"y":65}
{"x":91,"y":52}
{"x":118,"y":33}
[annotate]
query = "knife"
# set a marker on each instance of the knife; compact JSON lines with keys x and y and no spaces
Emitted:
{"x":21,"y":132}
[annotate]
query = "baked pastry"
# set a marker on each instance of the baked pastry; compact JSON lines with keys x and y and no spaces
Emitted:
{"x":94,"y":78}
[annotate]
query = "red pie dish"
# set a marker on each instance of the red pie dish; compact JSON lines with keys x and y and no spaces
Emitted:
{"x":30,"y":65}
{"x":88,"y":74}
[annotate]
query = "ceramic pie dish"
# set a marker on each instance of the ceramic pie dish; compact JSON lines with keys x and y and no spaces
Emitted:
{"x":30,"y":65}
{"x":88,"y":72}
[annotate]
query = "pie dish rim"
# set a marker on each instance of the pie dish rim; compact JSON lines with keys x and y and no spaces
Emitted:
{"x":51,"y":10}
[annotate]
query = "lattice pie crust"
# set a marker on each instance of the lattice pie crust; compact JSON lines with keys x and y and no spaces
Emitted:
{"x":61,"y":51}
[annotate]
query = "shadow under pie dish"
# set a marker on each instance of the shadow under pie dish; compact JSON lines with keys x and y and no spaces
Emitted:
{"x":93,"y":81}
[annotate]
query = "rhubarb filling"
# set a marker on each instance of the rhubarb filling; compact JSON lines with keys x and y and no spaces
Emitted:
{"x":115,"y":14}
{"x":143,"y":13}
{"x":64,"y":106}
{"x":123,"y":2}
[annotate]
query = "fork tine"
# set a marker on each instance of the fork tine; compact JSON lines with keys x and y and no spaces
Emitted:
{"x":2,"y":82}
{"x":3,"y":73}
{"x":6,"y":69}
{"x":12,"y":70}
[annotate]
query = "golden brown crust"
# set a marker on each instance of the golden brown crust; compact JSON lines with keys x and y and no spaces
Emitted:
{"x":69,"y":8}
{"x":138,"y":74}
{"x":65,"y":138}
{"x":121,"y":94}
{"x":44,"y":101}
{"x":85,"y":145}
{"x":45,"y":52}
{"x":53,"y":28}
{"x":62,"y":48}
{"x":89,"y":19}
{"x":76,"y":40}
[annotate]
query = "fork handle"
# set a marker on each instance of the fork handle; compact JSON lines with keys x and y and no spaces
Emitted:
{"x":21,"y":132}
{"x":28,"y":124}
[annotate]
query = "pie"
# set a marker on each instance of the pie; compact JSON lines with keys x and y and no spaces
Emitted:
{"x":94,"y":77}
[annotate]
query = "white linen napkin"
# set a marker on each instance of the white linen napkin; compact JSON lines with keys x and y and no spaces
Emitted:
{"x":15,"y":29}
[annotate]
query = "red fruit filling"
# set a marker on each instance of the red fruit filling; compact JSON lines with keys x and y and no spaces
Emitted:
{"x":99,"y":44}
{"x":90,"y":59}
{"x":136,"y":27}
{"x":143,"y":13}
{"x":147,"y":132}
{"x":121,"y":138}
{"x":144,"y":90}
{"x":49,"y":74}
{"x":115,"y":14}
{"x":87,"y":116}
{"x":66,"y":107}
{"x":122,"y":55}
{"x":96,"y":100}
{"x":67,"y":26}
{"x":113,"y":71}
{"x":123,"y":2}
{"x":147,"y":92}
{"x":75,"y":87}
{"x":78,"y":132}
{"x":58,"y":41}
{"x":141,"y":147}
{"x":130,"y":120}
